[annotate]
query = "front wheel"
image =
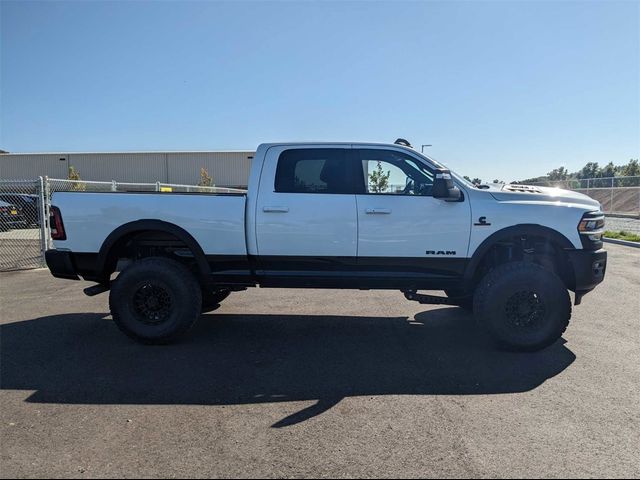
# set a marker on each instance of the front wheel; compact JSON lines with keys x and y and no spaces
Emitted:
{"x":155,"y":300}
{"x":523,"y":306}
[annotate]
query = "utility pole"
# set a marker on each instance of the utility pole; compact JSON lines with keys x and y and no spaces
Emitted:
{"x":422,"y":149}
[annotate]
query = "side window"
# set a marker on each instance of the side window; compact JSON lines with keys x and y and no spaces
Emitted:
{"x":313,"y":170}
{"x":395,"y":173}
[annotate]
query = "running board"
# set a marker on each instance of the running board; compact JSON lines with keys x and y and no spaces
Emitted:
{"x":428,"y":299}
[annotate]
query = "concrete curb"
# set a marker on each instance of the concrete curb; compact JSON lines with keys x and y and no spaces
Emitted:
{"x":621,"y":242}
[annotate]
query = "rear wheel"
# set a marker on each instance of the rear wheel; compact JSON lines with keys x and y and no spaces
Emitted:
{"x":523,"y":306}
{"x":155,"y":300}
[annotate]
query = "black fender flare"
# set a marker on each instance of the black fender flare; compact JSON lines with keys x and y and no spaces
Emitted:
{"x":510,"y":232}
{"x":158,"y":226}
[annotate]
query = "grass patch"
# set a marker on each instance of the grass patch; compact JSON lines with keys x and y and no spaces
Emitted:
{"x":622,"y":235}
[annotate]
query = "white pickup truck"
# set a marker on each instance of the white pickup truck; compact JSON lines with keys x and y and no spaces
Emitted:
{"x":337,"y":215}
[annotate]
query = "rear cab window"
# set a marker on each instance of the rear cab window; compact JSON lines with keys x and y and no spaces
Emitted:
{"x":314,"y":170}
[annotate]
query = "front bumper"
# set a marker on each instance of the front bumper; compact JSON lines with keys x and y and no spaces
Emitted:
{"x":589,"y":268}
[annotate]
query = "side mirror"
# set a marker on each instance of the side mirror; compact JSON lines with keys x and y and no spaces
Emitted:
{"x":444,"y":188}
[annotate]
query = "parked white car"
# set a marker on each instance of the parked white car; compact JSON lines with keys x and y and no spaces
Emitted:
{"x":337,"y":215}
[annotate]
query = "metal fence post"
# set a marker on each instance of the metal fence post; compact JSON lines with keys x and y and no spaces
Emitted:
{"x":43,"y":217}
{"x":611,"y":200}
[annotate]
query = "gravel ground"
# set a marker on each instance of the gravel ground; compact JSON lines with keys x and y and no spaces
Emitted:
{"x":616,"y":224}
{"x":316,"y":383}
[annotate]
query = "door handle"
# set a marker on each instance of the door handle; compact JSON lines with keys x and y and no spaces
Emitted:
{"x":377,"y":211}
{"x":275,"y":209}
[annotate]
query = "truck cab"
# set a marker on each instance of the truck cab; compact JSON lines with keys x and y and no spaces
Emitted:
{"x":340,"y":215}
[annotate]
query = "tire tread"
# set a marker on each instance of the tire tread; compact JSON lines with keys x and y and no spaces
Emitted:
{"x":175,"y":270}
{"x":513,"y":268}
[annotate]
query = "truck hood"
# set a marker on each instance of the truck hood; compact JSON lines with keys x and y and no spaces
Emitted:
{"x":541,"y":194}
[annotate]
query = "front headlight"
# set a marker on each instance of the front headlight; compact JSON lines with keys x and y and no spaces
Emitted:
{"x":591,"y":227}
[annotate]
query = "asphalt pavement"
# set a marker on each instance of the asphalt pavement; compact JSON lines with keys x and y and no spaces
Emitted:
{"x":316,"y":383}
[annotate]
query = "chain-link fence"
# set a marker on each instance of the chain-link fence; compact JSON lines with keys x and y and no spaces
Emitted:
{"x":617,"y":195}
{"x":23,"y":224}
{"x":617,"y":200}
{"x":589,"y":183}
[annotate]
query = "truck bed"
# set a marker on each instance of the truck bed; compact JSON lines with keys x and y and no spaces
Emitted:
{"x":216,"y":221}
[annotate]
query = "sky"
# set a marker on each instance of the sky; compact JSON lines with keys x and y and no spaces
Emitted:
{"x":501,"y":89}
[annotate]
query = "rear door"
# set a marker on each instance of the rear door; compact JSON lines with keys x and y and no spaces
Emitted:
{"x":306,"y":218}
{"x":404,"y":232}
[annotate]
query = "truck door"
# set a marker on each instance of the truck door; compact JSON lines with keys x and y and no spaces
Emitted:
{"x":306,"y":218}
{"x":403,"y":231}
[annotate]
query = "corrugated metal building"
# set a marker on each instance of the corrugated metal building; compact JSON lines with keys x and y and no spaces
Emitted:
{"x":227,"y":168}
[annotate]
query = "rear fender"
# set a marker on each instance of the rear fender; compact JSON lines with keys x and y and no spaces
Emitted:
{"x":106,"y":260}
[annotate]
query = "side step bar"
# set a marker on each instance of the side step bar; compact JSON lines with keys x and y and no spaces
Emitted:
{"x":99,"y":288}
{"x":428,"y":299}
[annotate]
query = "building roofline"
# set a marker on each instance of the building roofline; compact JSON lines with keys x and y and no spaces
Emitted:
{"x":129,"y":152}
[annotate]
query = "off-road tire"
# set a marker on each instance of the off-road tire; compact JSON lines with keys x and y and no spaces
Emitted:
{"x":523,"y":306}
{"x":155,"y":300}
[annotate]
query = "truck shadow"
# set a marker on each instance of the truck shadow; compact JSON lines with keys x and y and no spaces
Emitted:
{"x":247,"y":359}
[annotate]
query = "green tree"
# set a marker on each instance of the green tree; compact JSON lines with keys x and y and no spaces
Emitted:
{"x":530,"y":181}
{"x":378,"y":180}
{"x":631,"y":169}
{"x":74,"y":175}
{"x":609,"y":170}
{"x":595,"y":173}
{"x":590,"y":170}
{"x":558,"y":174}
{"x":476,"y":181}
{"x":205,"y":179}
